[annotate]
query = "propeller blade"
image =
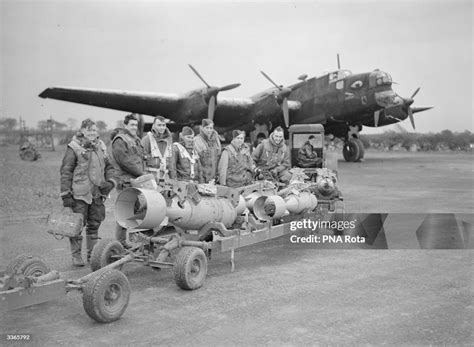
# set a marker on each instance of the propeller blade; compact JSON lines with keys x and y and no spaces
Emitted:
{"x":416,"y":92}
{"x":376,"y":118}
{"x":412,"y":120}
{"x":211,"y":108}
{"x":198,"y":75}
{"x":229,"y":87}
{"x":286,"y":112}
{"x":420,"y":109}
{"x":271,"y":81}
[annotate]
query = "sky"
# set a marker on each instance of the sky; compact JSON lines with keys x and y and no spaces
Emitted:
{"x":147,"y":46}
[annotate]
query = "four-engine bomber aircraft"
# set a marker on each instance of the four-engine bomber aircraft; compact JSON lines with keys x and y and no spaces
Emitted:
{"x":343,"y":102}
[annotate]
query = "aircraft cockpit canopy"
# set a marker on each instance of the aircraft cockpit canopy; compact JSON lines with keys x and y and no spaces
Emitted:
{"x":379,"y":78}
{"x":338,"y":75}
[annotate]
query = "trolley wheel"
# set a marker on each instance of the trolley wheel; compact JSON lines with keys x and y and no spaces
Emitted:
{"x":106,"y":295}
{"x":27,"y":265}
{"x":351,"y":151}
{"x":15,"y":263}
{"x":28,"y":155}
{"x":190,"y":268}
{"x":103,"y":253}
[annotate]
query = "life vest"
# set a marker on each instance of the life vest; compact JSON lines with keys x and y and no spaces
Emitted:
{"x":89,"y":172}
{"x":270,"y":157}
{"x":136,"y":152}
{"x":239,"y":167}
{"x":209,"y":154}
{"x":191,"y":158}
{"x":161,"y":158}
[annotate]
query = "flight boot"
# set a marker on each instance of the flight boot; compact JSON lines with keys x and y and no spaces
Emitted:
{"x":76,"y":247}
{"x":91,"y":241}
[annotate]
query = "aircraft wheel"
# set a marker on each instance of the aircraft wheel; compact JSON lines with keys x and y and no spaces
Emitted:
{"x":351,"y":151}
{"x":361,"y":149}
{"x":104,"y":253}
{"x":190,"y":268}
{"x":106,"y":296}
{"x":28,"y":265}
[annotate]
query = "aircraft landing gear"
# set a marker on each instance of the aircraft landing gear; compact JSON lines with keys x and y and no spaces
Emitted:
{"x":353,"y":149}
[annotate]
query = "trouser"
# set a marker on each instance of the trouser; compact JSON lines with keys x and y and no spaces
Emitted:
{"x":94,"y":214}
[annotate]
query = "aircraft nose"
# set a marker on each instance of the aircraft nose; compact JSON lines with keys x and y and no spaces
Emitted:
{"x":408,"y":102}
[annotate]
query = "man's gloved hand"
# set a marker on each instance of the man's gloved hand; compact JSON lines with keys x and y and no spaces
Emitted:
{"x":68,"y":200}
{"x":106,"y":188}
{"x":258,"y":174}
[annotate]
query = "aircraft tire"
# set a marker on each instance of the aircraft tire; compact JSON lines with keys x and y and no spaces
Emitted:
{"x":351,"y":151}
{"x":361,"y":149}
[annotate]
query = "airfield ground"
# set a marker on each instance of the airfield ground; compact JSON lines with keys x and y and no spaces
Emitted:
{"x":280,"y":294}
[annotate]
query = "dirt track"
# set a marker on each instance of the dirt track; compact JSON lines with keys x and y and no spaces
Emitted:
{"x":279,"y":293}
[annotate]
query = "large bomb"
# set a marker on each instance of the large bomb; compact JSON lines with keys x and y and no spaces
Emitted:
{"x":302,"y":201}
{"x":186,"y":215}
{"x":147,"y":209}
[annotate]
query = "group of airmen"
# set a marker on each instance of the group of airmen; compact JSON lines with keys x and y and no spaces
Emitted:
{"x":89,"y":174}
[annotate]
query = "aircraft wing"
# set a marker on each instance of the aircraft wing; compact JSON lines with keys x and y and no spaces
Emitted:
{"x":136,"y":102}
{"x":182,"y":109}
{"x":229,"y":108}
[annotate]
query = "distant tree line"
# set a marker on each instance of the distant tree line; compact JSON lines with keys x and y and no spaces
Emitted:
{"x":13,"y":131}
{"x":10,"y":124}
{"x":445,"y":140}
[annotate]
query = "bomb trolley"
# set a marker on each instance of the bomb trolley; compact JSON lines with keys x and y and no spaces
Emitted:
{"x":27,"y":281}
{"x":176,"y":220}
{"x":187,"y":222}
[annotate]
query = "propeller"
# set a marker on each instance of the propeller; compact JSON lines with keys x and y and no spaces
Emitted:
{"x":407,"y":108}
{"x":283,"y":94}
{"x":212,"y":93}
